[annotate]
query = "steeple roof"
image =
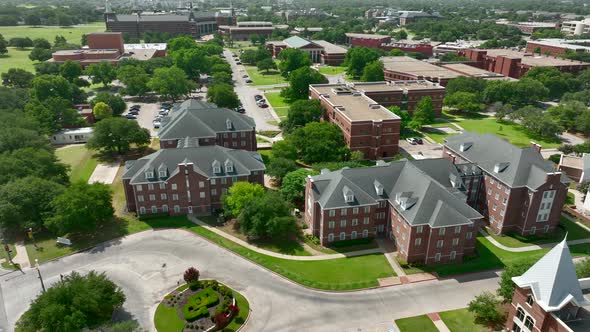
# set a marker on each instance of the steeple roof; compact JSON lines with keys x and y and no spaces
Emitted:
{"x":553,"y":280}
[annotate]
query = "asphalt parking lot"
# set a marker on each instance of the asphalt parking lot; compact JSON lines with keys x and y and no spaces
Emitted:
{"x":422,"y":151}
{"x":146,"y":115}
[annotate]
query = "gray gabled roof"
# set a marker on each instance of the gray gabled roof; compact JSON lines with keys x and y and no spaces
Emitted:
{"x":515,"y":166}
{"x":423,"y":188}
{"x":298,"y":42}
{"x":553,"y":280}
{"x":195,"y":118}
{"x":201,"y":158}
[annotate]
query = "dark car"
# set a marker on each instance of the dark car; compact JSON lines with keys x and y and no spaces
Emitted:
{"x":166,"y":105}
{"x":241,"y":110}
{"x":134,"y":111}
{"x":238,"y":63}
{"x":419,"y":140}
{"x":263,"y":105}
{"x":135,"y":107}
{"x":245,"y":76}
{"x":130,"y":116}
{"x":257,"y":97}
{"x":248,"y":81}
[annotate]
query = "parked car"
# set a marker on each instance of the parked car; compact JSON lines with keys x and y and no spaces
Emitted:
{"x":261,"y":101}
{"x":258,"y":97}
{"x":241,"y":109}
{"x":245,"y":76}
{"x":419,"y":140}
{"x":263,"y":105}
{"x":164,"y":111}
{"x":157,"y":123}
{"x":130,"y":116}
{"x":134,"y":111}
{"x":135,"y":107}
{"x":238,"y":62}
{"x":411,"y":140}
{"x":166,"y":106}
{"x":248,"y":81}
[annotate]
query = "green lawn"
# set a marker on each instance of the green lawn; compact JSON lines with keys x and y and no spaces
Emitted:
{"x":461,"y":320}
{"x":417,"y":323}
{"x":275,"y":99}
{"x":514,"y":133}
{"x":6,"y":264}
{"x":263,"y":78}
{"x":332,"y":70}
{"x":574,"y":232}
{"x":244,"y":307}
{"x":80,"y":159}
{"x":20,"y":58}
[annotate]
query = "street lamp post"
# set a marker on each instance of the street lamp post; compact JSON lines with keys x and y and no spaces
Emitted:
{"x":39,"y":272}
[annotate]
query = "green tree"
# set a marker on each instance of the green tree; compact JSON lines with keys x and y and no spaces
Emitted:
{"x":238,"y":195}
{"x":403,"y":115}
{"x":20,"y":42}
{"x":583,"y":122}
{"x":566,"y":114}
{"x":180,"y":43}
{"x":35,"y":159}
{"x":266,"y":65}
{"x":583,"y":269}
{"x":319,"y":141}
{"x":170,"y":83}
{"x":464,"y":102}
{"x":102,"y":72}
{"x":41,"y":43}
{"x":115,"y":102}
{"x":70,"y":70}
{"x":102,"y":111}
{"x":192,"y":61}
{"x":17,"y":78}
{"x":279,"y":167}
{"x":452,"y":57}
{"x":3,"y":44}
{"x":423,"y":115}
{"x":223,"y":95}
{"x":221,"y":77}
{"x":135,"y":79}
{"x":40,"y":54}
{"x":81,"y":207}
{"x":291,"y":60}
{"x":267,"y":217}
{"x":373,"y":72}
{"x":302,"y":112}
{"x":465,"y":84}
{"x":59,"y":41}
{"x":26,"y":202}
{"x":506,"y":289}
{"x":117,"y":134}
{"x":299,"y":82}
{"x":485,"y":308}
{"x":284,"y":149}
{"x":396,"y":52}
{"x":357,"y":57}
{"x":60,"y":309}
{"x":293,"y":186}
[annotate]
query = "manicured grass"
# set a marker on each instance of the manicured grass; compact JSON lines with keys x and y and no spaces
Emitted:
{"x":275,"y":99}
{"x":570,"y":199}
{"x":244,"y":307}
{"x":282,"y":112}
{"x":264,"y":78}
{"x":20,"y":58}
{"x":332,"y":70}
{"x":167,"y":319}
{"x":80,"y":159}
{"x":574,"y":232}
{"x":417,"y":323}
{"x":332,"y":250}
{"x":461,"y":320}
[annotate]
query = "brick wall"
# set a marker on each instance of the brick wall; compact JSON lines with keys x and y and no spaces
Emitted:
{"x":543,"y":321}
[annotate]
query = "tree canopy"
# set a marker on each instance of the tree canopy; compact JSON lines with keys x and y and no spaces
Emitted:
{"x":268,"y":216}
{"x":223,"y":95}
{"x":291,"y":60}
{"x":238,"y":195}
{"x":302,"y":112}
{"x":293,"y":186}
{"x":319,"y":141}
{"x":103,"y":72}
{"x":373,"y":72}
{"x":170,"y":82}
{"x":299,"y":81}
{"x":358,"y":57}
{"x":115,"y":102}
{"x":117,"y":134}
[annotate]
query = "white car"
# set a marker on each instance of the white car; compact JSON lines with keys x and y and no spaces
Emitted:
{"x":157,"y":124}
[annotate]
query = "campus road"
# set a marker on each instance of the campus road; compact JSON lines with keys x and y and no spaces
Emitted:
{"x":148,"y":265}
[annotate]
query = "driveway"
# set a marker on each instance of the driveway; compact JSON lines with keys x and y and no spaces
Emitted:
{"x":246,"y":93}
{"x":104,"y":173}
{"x":422,"y":151}
{"x":148,"y":265}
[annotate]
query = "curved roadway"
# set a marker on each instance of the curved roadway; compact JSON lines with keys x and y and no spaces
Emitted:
{"x":147,"y":265}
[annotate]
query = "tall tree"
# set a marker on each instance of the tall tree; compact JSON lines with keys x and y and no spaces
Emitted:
{"x":102,"y":72}
{"x":115,"y":102}
{"x":223,"y":95}
{"x":319,"y":141}
{"x":34,"y":160}
{"x":268,"y":216}
{"x":192,"y":61}
{"x":3,"y":44}
{"x":357,"y":57}
{"x":292,"y":59}
{"x":70,"y":70}
{"x":41,"y":43}
{"x":302,"y":112}
{"x":238,"y":195}
{"x":373,"y":72}
{"x":117,"y":135}
{"x":403,"y":115}
{"x":293,"y":186}
{"x":135,"y":79}
{"x":102,"y":111}
{"x":170,"y":83}
{"x":279,"y":167}
{"x":266,"y":65}
{"x":40,"y":54}
{"x":17,"y":78}
{"x":465,"y":102}
{"x":424,"y":113}
{"x":72,"y":212}
{"x":60,"y":309}
{"x":299,"y":82}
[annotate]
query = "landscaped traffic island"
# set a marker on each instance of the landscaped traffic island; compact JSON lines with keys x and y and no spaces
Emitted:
{"x":205,"y":305}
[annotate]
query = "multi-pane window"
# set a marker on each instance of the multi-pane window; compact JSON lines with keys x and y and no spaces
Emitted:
{"x":453,"y":255}
{"x":528,"y":323}
{"x":342,"y":236}
{"x":355,"y":210}
{"x":440,"y":243}
{"x":457,"y":229}
{"x":331,"y":213}
{"x":202,"y":194}
{"x":455,"y":242}
{"x":174,"y":197}
{"x":366,"y":233}
{"x":469,"y":235}
{"x":163,"y":196}
{"x":353,"y":235}
{"x":366,"y":220}
{"x":162,"y":185}
{"x":520,"y":314}
{"x":330,"y":237}
{"x":342,"y":212}
{"x":331,"y":224}
{"x":355,"y":222}
{"x":212,"y":182}
{"x":139,"y":187}
{"x":367,"y":209}
{"x":152,"y":197}
{"x":140,"y":198}
{"x":176,"y":208}
{"x":529,"y":299}
{"x":441,"y":231}
{"x":418,"y":242}
{"x":174,"y":186}
{"x":343,"y":223}
{"x":201,"y":184}
{"x":419,"y":229}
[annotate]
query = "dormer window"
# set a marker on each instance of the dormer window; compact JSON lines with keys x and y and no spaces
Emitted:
{"x":465,"y":146}
{"x":455,"y":181}
{"x":216,"y":167}
{"x":149,"y":175}
{"x":229,"y":166}
{"x":348,"y":194}
{"x":500,"y":167}
{"x":378,"y":188}
{"x":162,"y":174}
{"x":405,"y":200}
{"x":229,"y":124}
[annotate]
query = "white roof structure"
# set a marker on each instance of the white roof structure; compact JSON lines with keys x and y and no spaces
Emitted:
{"x":553,"y":280}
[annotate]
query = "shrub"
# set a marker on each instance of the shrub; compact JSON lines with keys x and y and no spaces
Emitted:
{"x":403,"y":263}
{"x":191,"y":275}
{"x":197,"y":304}
{"x":346,"y":243}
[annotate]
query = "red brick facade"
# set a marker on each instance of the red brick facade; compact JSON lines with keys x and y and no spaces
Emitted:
{"x":525,"y":312}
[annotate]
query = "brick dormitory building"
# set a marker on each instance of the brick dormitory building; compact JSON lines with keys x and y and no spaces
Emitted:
{"x":433,"y":208}
{"x":204,"y":150}
{"x":359,"y":110}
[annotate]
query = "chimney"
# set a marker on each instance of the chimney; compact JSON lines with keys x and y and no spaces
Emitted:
{"x":536,"y":146}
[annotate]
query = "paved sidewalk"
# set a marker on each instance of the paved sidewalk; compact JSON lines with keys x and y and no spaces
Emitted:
{"x":389,"y":250}
{"x":104,"y":173}
{"x":440,"y":325}
{"x":22,"y":257}
{"x":277,"y":255}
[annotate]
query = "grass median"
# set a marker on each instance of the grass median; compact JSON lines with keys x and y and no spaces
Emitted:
{"x":418,"y":323}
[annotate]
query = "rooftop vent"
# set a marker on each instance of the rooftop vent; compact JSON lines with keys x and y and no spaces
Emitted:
{"x":375,"y":106}
{"x":500,"y":167}
{"x":378,"y":188}
{"x":324,"y":171}
{"x":465,"y":146}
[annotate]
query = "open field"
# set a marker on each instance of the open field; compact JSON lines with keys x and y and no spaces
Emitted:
{"x":417,"y":323}
{"x":461,"y":320}
{"x":264,"y":78}
{"x":20,"y":58}
{"x":80,"y":159}
{"x":332,"y":70}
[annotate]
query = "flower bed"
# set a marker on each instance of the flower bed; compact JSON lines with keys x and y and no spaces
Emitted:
{"x":196,"y":307}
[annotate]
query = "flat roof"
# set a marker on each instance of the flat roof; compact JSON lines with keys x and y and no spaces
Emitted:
{"x":406,"y":64}
{"x":366,"y":35}
{"x":87,"y":51}
{"x":83,"y":130}
{"x":534,"y":60}
{"x":572,"y":161}
{"x":471,"y":71}
{"x":146,"y":46}
{"x":570,"y":44}
{"x":353,"y":104}
{"x":394,"y":86}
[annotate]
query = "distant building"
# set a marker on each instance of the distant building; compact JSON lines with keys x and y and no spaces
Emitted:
{"x":515,"y":63}
{"x":556,"y":47}
{"x":576,"y":28}
{"x":408,"y":16}
{"x":529,"y":27}
{"x":108,"y":46}
{"x":320,"y":51}
{"x":515,"y":189}
{"x":243,"y":30}
{"x":420,"y":204}
{"x":190,"y":179}
{"x":387,"y":44}
{"x":576,"y":168}
{"x":366,"y":40}
{"x":72,"y":136}
{"x":205,"y":124}
{"x":548,"y":296}
{"x":409,"y":46}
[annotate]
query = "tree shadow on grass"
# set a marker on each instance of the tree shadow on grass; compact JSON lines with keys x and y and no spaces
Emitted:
{"x":132,"y":154}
